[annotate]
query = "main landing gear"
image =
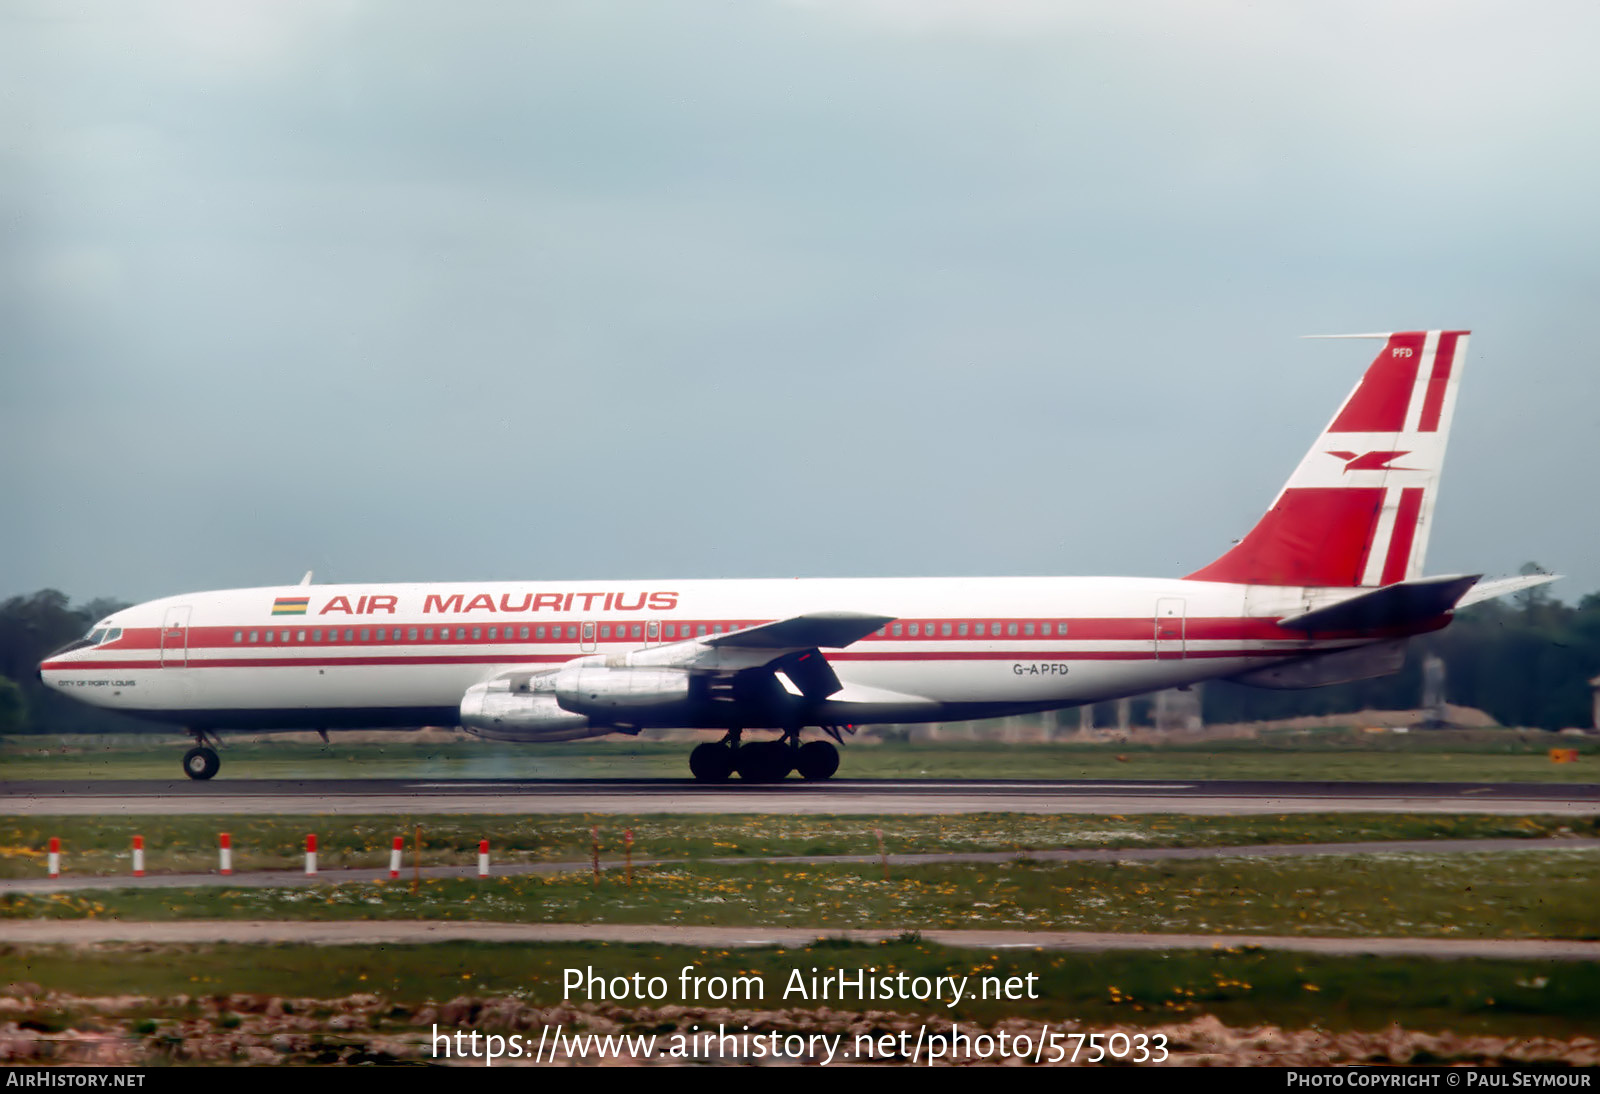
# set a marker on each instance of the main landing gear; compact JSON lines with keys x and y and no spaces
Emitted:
{"x":201,"y":762}
{"x":763,"y":761}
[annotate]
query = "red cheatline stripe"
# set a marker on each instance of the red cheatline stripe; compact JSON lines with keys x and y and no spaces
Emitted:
{"x":1438,"y":380}
{"x":1405,"y":531}
{"x":1109,"y":629}
{"x":424,"y":662}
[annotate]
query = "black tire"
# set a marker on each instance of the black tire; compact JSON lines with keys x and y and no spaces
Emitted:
{"x":200,"y":763}
{"x":764,"y":762}
{"x":816,"y":760}
{"x":711,"y":763}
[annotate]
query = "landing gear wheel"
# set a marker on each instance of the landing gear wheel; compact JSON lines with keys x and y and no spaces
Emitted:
{"x":711,"y":763}
{"x":764,"y":762}
{"x":200,"y":763}
{"x":816,"y":760}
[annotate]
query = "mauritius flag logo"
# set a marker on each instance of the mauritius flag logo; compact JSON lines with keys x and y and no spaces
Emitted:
{"x":290,"y":605}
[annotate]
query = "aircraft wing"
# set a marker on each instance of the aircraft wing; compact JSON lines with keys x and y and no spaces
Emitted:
{"x":787,"y":652}
{"x":833,"y":630}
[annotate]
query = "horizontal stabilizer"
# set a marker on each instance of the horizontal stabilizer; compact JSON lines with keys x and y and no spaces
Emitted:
{"x":1488,"y":590}
{"x":826,"y":630}
{"x":1394,"y":605}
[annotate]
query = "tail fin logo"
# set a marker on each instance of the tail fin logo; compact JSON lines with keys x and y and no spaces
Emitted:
{"x":1370,"y":461}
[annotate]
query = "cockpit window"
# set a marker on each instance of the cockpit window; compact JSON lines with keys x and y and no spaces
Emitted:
{"x":97,"y":635}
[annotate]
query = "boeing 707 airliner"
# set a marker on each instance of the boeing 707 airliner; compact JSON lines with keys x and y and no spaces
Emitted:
{"x":1327,"y":587}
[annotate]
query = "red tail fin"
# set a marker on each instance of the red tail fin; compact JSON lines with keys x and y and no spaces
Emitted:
{"x":1357,"y":509}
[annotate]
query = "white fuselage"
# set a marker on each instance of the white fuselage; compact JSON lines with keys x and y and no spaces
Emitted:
{"x":406,"y":654}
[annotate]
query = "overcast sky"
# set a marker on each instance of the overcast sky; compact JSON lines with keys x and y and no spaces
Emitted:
{"x":673,"y":289}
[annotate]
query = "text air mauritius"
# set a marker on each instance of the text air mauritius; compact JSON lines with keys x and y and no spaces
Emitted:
{"x":1327,"y":587}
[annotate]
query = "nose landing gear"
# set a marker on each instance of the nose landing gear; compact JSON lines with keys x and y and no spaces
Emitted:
{"x":201,"y":762}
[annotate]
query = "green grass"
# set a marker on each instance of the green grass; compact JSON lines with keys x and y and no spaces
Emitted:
{"x":1242,"y":988}
{"x":1530,"y":894}
{"x":186,"y":844}
{"x":1449,"y":756}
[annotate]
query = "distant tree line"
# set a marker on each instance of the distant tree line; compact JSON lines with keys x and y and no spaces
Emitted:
{"x":1526,"y":661}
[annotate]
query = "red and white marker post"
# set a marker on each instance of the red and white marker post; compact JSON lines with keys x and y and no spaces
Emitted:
{"x":55,"y":856}
{"x":483,"y":858}
{"x":394,"y":857}
{"x":311,"y":855}
{"x":138,"y":856}
{"x":225,"y":853}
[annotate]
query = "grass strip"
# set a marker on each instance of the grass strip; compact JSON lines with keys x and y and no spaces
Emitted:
{"x":1243,"y":988}
{"x":1534,"y":894}
{"x":102,"y":846}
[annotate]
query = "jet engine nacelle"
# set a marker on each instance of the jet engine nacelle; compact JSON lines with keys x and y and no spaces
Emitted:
{"x":510,"y":709}
{"x":610,"y":693}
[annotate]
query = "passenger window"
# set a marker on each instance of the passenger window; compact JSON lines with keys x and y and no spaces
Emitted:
{"x":1061,"y":630}
{"x":700,"y":631}
{"x":605,"y":630}
{"x":477,"y":633}
{"x":637,"y":630}
{"x":300,"y":637}
{"x":253,"y":635}
{"x":383,"y":635}
{"x":538,"y":633}
{"x":915,"y":629}
{"x":493,"y":631}
{"x":316,"y":636}
{"x":427,"y":634}
{"x":461,"y":634}
{"x":238,"y":636}
{"x":944,"y":630}
{"x":366,"y":634}
{"x":1027,"y":629}
{"x":1011,"y":630}
{"x":411,"y":635}
{"x":524,"y":634}
{"x":961,"y":630}
{"x":672,"y":630}
{"x":899,"y":629}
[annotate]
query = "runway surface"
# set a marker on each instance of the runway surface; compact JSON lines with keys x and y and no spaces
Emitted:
{"x":191,"y":932}
{"x":135,"y":797}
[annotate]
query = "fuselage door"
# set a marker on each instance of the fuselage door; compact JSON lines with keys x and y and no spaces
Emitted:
{"x":1169,"y":628}
{"x":588,"y":637}
{"x":175,"y":637}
